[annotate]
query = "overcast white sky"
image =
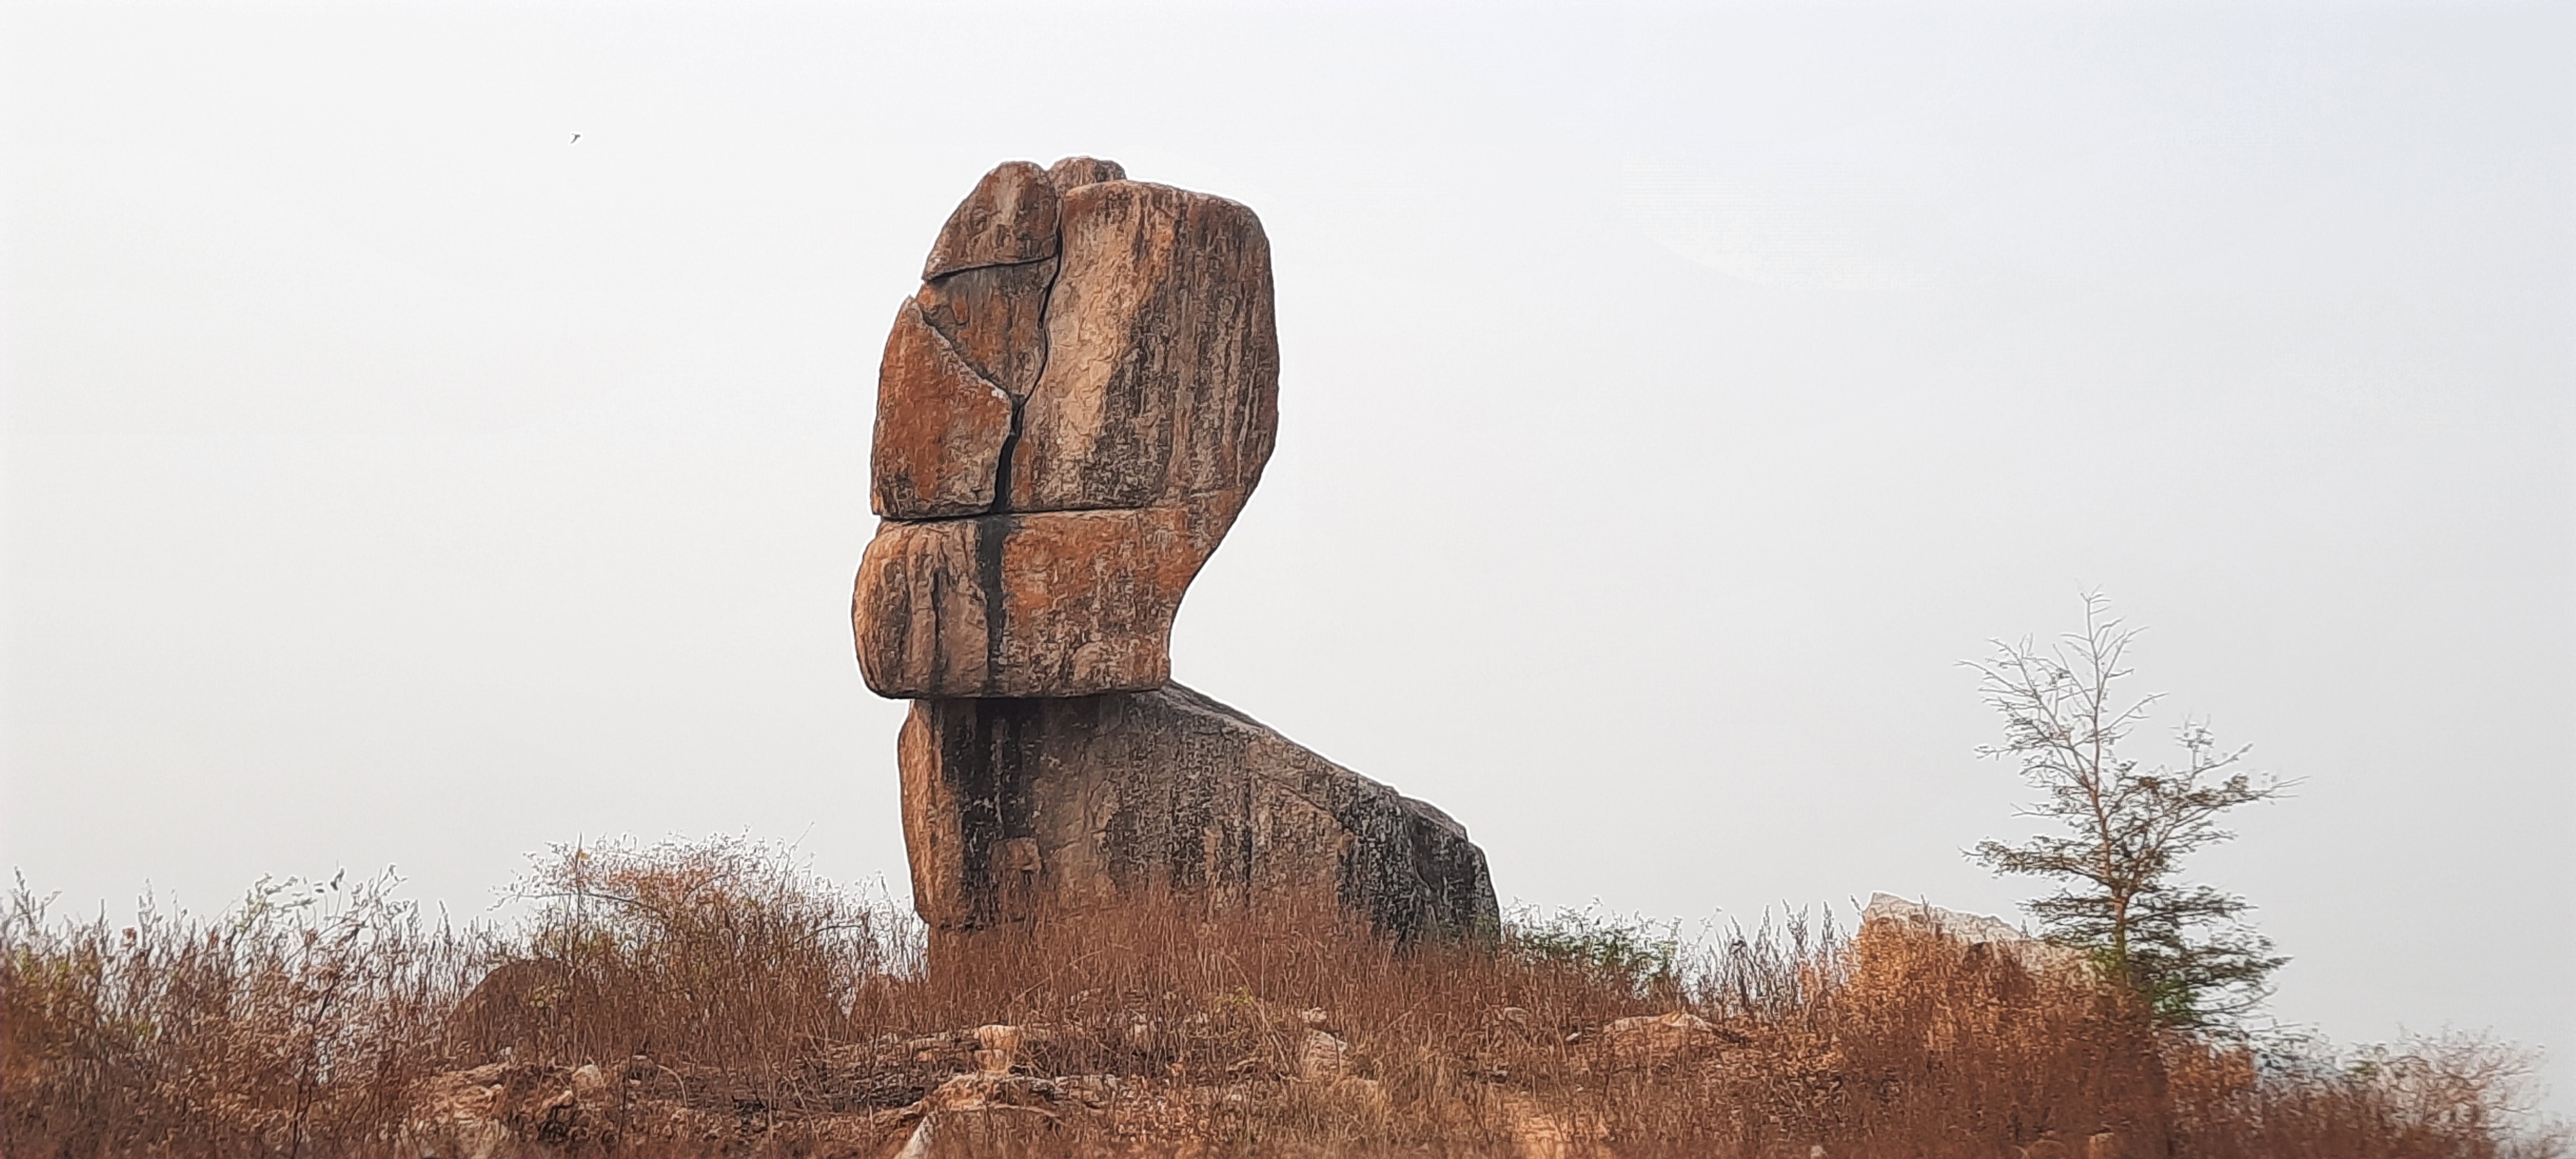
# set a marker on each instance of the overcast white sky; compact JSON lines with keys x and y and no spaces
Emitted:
{"x":1670,"y":400}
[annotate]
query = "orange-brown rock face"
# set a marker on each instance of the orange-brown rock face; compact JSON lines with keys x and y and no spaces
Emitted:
{"x":941,"y":426}
{"x":1162,"y":370}
{"x":1008,"y":220}
{"x":1025,"y":605}
{"x":1070,"y":414}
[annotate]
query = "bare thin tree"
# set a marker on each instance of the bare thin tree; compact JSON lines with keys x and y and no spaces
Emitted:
{"x":2184,"y":948}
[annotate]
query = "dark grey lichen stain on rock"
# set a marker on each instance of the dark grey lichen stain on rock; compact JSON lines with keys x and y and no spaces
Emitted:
{"x":1118,"y":797}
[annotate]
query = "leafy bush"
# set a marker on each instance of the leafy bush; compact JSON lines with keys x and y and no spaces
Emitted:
{"x":1624,"y":954}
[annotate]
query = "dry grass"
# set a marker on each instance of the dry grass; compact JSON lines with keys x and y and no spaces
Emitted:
{"x":735,"y":1005}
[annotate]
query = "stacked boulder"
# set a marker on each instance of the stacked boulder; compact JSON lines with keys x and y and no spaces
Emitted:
{"x":1070,"y":414}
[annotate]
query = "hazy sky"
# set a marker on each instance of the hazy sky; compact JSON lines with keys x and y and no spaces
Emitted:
{"x":1670,"y":400}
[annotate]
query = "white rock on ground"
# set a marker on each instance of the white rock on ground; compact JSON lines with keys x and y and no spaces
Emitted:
{"x":1969,"y":929}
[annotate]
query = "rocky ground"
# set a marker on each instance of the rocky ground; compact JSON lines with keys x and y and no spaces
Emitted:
{"x":974,"y":1092}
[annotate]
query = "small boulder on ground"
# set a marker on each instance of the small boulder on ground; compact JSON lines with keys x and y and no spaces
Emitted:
{"x":990,"y":1114}
{"x":1888,"y":912}
{"x":1645,"y":1041}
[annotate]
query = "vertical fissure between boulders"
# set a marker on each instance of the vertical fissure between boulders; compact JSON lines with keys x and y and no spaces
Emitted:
{"x":994,"y":528}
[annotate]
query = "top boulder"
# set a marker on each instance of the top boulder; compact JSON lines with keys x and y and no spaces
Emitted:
{"x":1008,"y":220}
{"x":1070,"y":415}
{"x":1075,"y":172}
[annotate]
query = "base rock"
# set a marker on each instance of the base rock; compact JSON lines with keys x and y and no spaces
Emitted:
{"x":1018,"y":810}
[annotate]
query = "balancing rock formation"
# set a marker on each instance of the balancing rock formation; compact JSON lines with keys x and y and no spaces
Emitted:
{"x":1070,"y":414}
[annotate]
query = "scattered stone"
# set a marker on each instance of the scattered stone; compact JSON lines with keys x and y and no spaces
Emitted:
{"x":484,"y":1110}
{"x":1210,"y":1097}
{"x":1000,"y":1048}
{"x":592,"y":1092}
{"x":1648,"y":1041}
{"x":1322,"y":1057}
{"x":989,"y":1114}
{"x":1094,"y":1090}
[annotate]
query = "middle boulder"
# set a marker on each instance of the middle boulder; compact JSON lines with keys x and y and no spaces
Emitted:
{"x":1070,"y":415}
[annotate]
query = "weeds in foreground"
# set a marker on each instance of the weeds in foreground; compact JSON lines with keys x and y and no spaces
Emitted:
{"x":748,"y":1008}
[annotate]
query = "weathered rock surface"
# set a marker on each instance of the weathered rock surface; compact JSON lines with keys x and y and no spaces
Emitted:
{"x":941,"y":426}
{"x":1649,"y":1041}
{"x":993,"y":316}
{"x":1075,"y":172}
{"x":1070,"y":415}
{"x":520,"y":1003}
{"x":1888,"y":911}
{"x":1017,"y":810}
{"x":1010,"y":218}
{"x":990,"y":1114}
{"x":1025,"y":605}
{"x":1162,"y":367}
{"x":484,"y":1110}
{"x":1081,"y":343}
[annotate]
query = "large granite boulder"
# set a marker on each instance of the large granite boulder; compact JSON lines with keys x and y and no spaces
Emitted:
{"x":1070,"y":414}
{"x":1104,"y":347}
{"x":1018,"y":810}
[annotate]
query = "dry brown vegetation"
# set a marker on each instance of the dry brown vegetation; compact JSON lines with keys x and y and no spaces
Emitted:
{"x":710,"y":998}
